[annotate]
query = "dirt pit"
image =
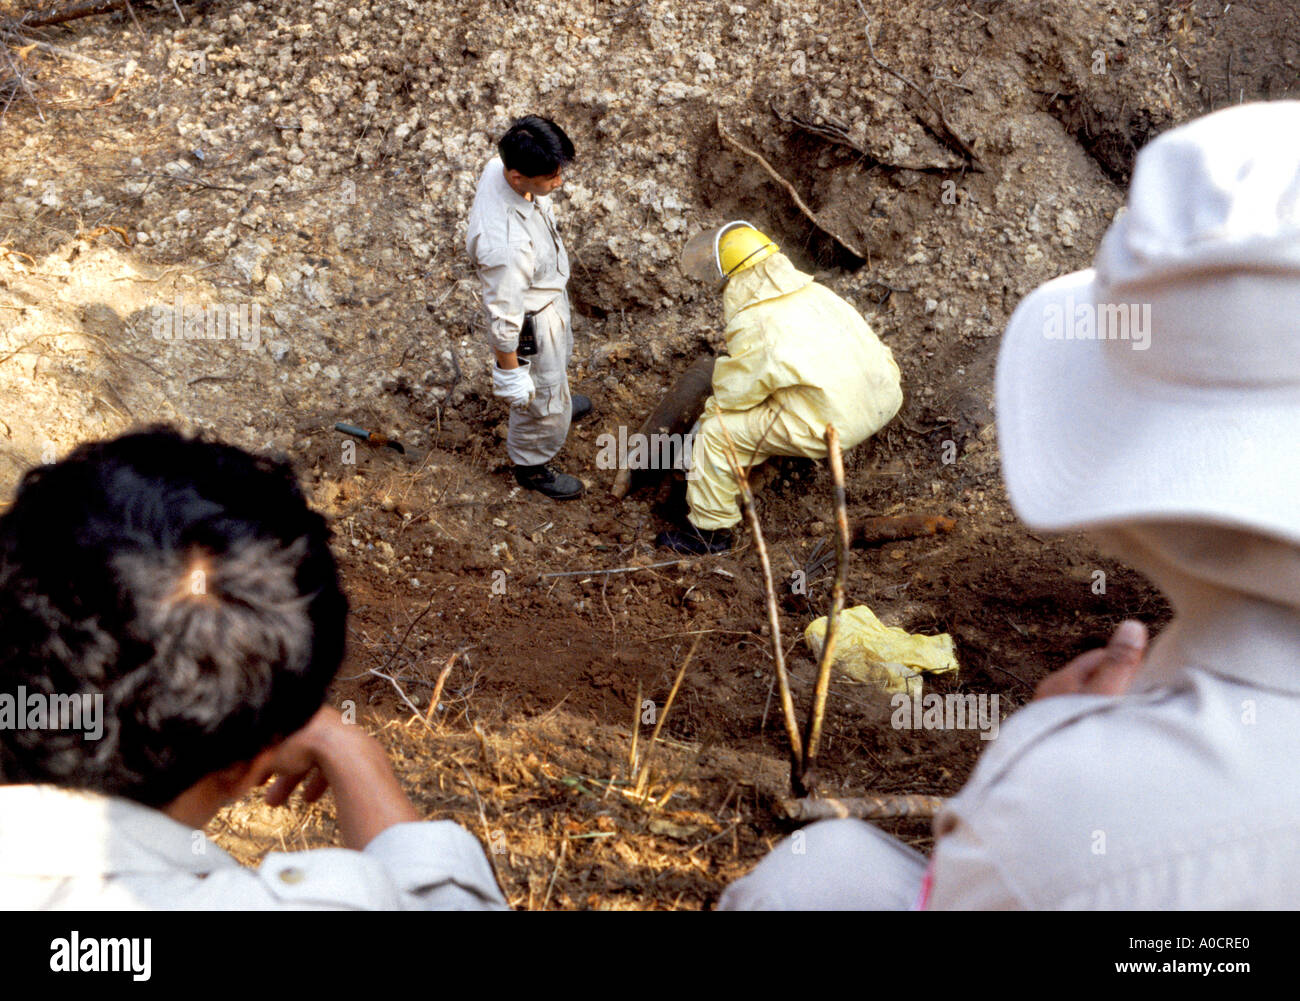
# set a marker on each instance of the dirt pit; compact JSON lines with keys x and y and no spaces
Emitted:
{"x":318,"y":163}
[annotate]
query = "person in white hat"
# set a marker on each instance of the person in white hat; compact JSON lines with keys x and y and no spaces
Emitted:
{"x":1152,"y":400}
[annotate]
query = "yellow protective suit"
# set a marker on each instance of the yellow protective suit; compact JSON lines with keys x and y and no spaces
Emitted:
{"x":798,"y":358}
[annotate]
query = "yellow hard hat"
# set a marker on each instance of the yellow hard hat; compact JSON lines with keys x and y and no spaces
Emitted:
{"x":721,"y":253}
{"x":741,"y":246}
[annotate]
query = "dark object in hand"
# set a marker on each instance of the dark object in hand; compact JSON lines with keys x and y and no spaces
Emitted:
{"x":527,"y":337}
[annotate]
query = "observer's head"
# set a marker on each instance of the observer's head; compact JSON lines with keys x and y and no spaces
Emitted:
{"x":535,"y":152}
{"x":1163,"y":384}
{"x":187,"y":583}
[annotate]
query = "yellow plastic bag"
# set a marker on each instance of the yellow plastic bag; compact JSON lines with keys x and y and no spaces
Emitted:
{"x":886,"y":657}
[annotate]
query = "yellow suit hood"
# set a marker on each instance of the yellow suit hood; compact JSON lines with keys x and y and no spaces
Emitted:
{"x":768,"y":279}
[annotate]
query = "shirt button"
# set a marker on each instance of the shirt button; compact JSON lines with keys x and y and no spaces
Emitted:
{"x":292,"y":875}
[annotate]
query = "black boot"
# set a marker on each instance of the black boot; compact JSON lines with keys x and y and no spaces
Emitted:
{"x":581,"y":407}
{"x":695,"y":541}
{"x":545,"y":480}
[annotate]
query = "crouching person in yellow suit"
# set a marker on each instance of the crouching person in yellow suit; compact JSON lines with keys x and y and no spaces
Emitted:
{"x":798,"y":358}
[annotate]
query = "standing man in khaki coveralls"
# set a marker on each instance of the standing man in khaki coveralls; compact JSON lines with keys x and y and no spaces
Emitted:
{"x":524,"y":269}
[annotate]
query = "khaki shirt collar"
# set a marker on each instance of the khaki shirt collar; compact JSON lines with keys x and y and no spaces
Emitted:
{"x":1237,"y":637}
{"x":509,"y":196}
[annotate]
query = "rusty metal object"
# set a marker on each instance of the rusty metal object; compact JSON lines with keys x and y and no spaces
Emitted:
{"x":893,"y":528}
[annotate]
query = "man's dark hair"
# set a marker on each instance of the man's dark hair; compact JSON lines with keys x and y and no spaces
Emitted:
{"x":185,"y":581}
{"x":536,"y":147}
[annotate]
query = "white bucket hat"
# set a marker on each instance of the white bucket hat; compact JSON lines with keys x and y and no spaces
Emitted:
{"x":1164,"y":382}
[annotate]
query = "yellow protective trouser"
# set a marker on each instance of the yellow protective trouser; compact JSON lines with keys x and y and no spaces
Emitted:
{"x":756,"y":435}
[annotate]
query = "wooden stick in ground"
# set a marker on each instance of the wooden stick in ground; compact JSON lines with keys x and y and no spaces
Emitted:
{"x":818,"y":711}
{"x":864,"y":807}
{"x":437,"y":688}
{"x":773,"y":617}
{"x":643,"y":775}
{"x":636,"y":731}
{"x":564,"y":847}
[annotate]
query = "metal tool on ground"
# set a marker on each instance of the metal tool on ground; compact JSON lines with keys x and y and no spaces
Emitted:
{"x":371,"y":437}
{"x":679,"y":409}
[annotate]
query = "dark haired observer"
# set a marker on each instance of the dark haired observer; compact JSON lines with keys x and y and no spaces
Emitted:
{"x":172,"y":618}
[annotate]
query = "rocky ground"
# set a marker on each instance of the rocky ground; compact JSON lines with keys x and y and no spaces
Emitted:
{"x":312,"y":165}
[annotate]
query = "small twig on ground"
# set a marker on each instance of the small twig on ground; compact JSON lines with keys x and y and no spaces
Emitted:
{"x":134,"y":20}
{"x":26,"y":344}
{"x":379,"y":671}
{"x":662,"y":801}
{"x":401,"y":693}
{"x":837,"y":134}
{"x":643,"y":774}
{"x":482,"y":817}
{"x":559,"y":861}
{"x":61,"y":14}
{"x":596,"y":573}
{"x":56,"y":50}
{"x":767,"y":705}
{"x":18,"y":81}
{"x":636,"y":731}
{"x":188,"y":179}
{"x":864,"y":807}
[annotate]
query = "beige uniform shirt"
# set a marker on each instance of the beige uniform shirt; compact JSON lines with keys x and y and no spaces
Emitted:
{"x":515,"y":246}
{"x":69,"y":850}
{"x":1182,"y":794}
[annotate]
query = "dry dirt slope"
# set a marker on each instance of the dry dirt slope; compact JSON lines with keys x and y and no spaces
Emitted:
{"x":317,"y":160}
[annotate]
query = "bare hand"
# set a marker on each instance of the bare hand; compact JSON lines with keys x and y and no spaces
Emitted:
{"x":1108,"y":670}
{"x":328,"y":753}
{"x":300,"y":758}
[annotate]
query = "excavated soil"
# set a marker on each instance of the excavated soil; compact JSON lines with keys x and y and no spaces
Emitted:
{"x":316,"y":162}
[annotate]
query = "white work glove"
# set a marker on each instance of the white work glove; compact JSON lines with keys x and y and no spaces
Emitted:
{"x":514,"y":385}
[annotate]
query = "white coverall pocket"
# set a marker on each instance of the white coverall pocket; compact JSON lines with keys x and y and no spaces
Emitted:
{"x":550,"y":394}
{"x":549,"y":365}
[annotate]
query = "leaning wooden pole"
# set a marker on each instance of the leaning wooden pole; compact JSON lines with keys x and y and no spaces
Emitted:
{"x":773,"y":616}
{"x":812,"y":738}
